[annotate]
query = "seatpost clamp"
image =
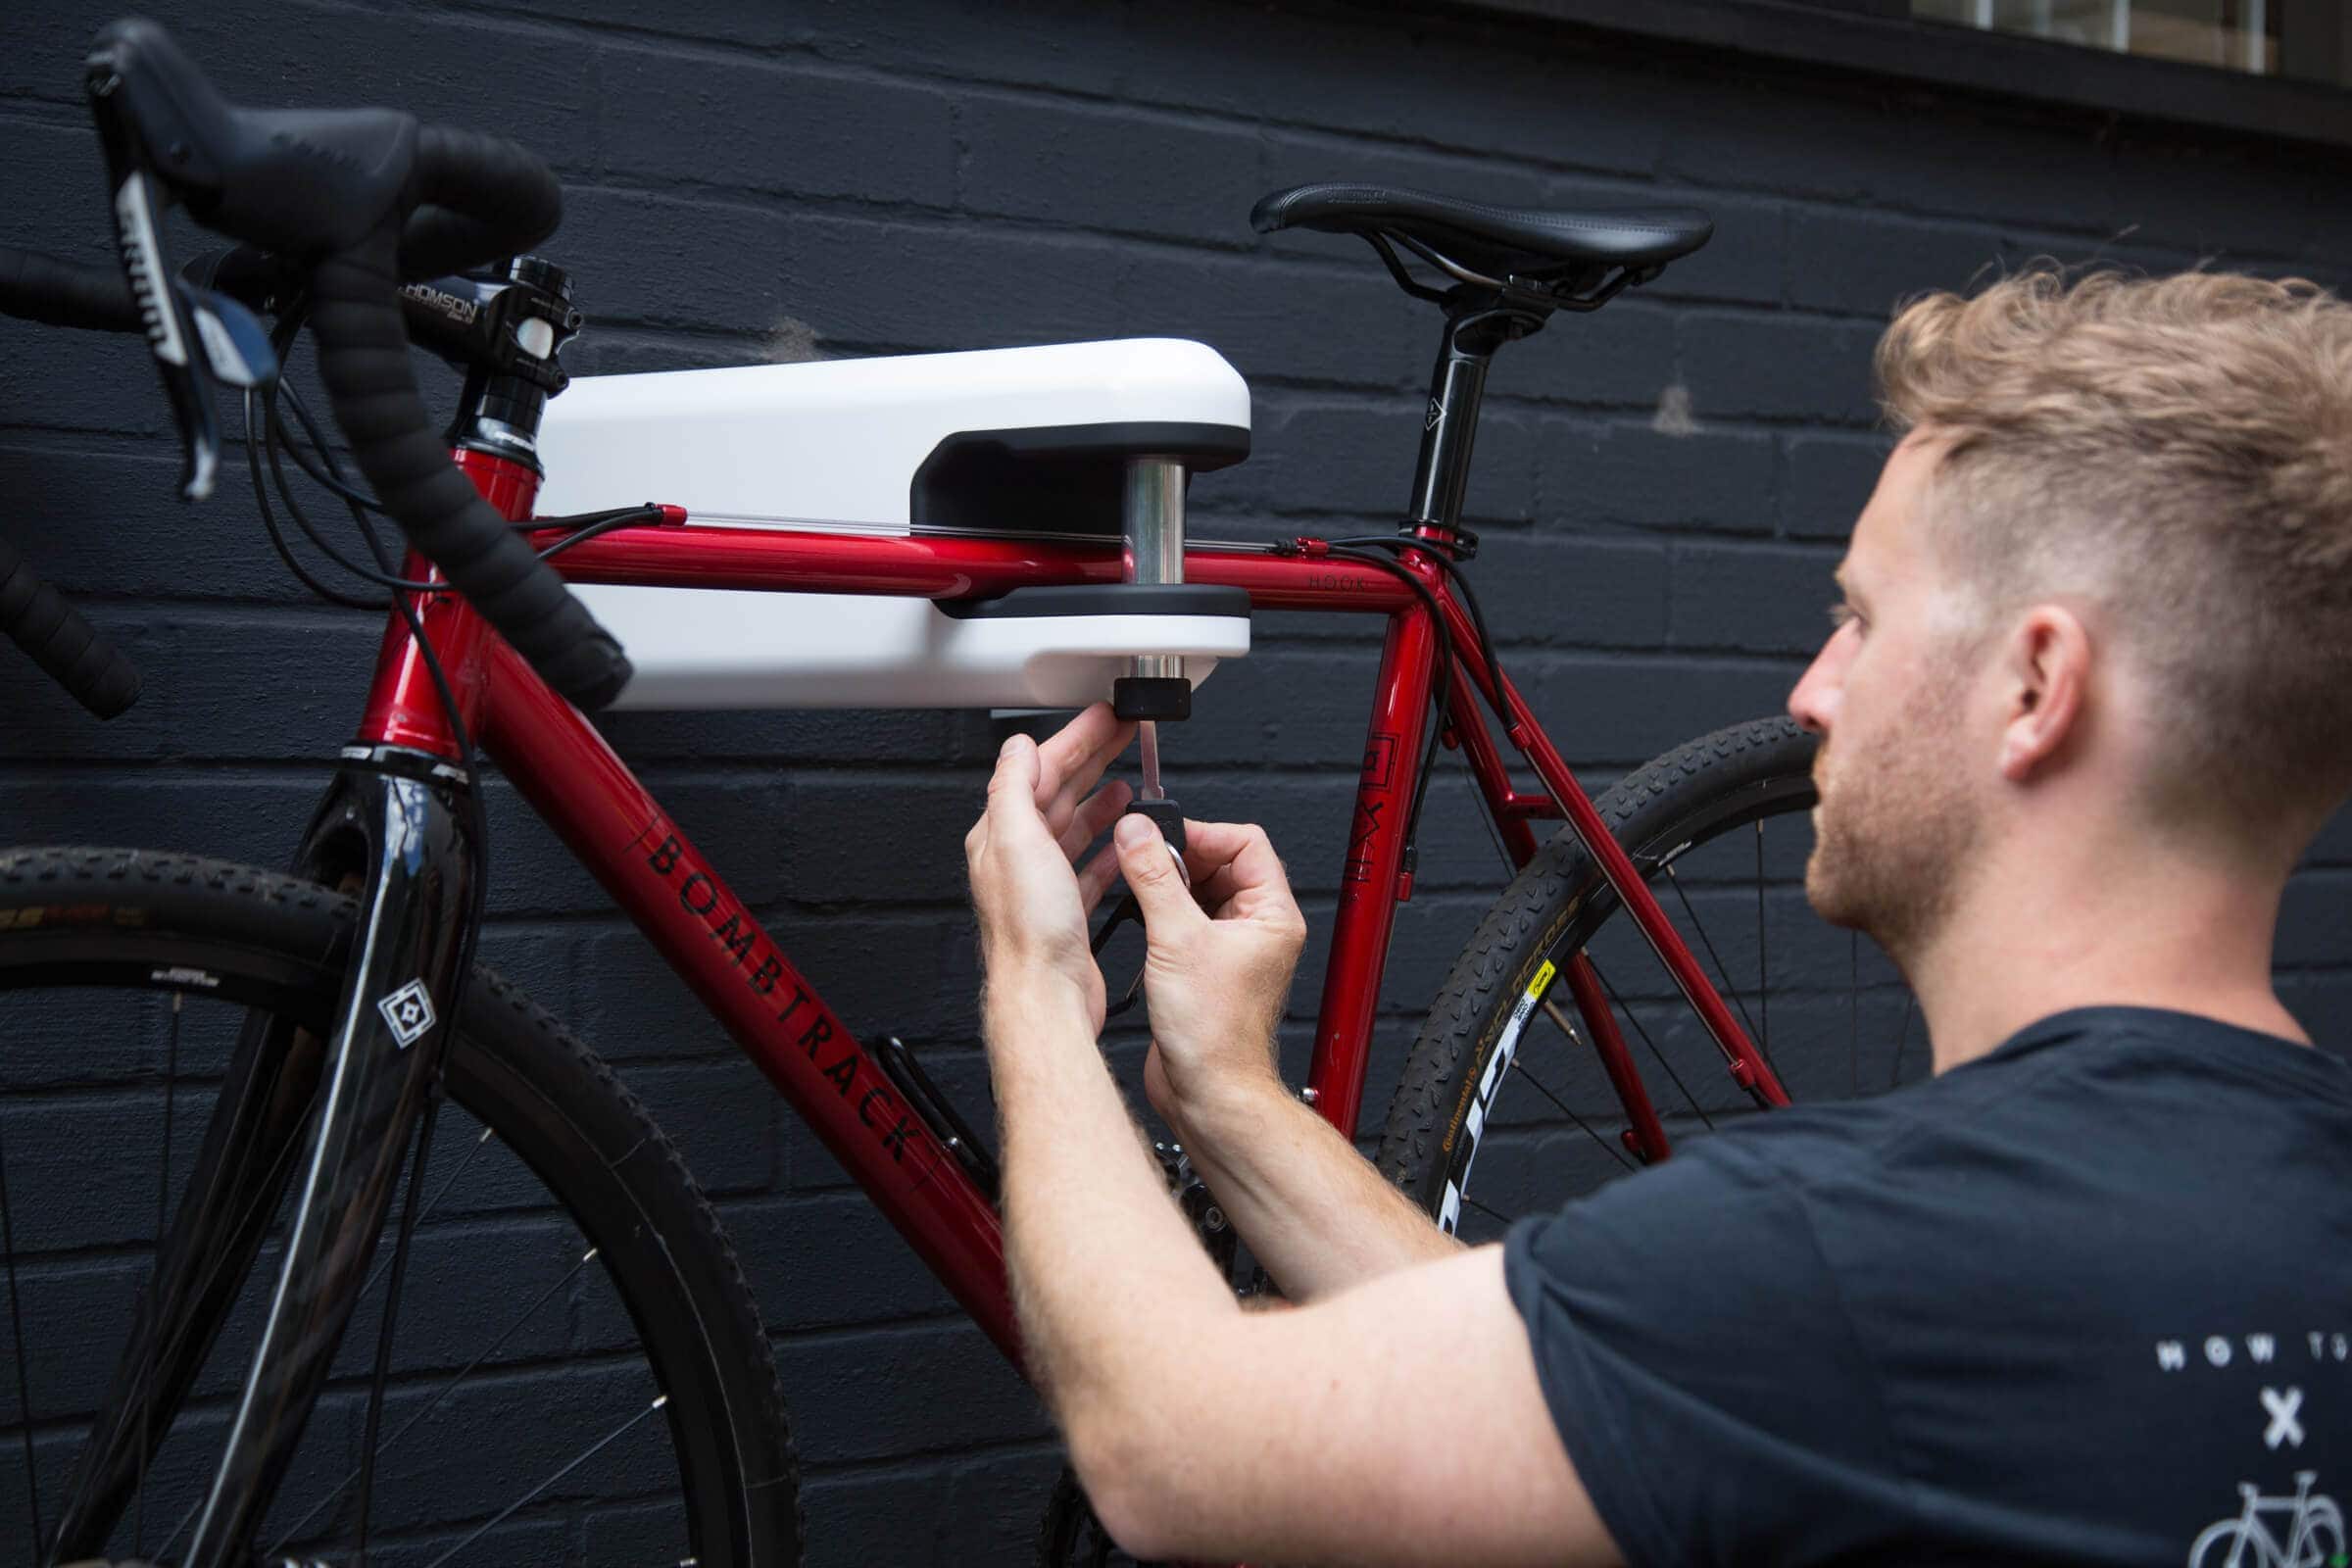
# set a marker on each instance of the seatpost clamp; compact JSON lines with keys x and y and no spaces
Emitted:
{"x":1456,"y":539}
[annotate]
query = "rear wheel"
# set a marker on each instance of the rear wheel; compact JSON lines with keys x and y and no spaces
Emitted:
{"x":1720,"y":828}
{"x":578,"y":1372}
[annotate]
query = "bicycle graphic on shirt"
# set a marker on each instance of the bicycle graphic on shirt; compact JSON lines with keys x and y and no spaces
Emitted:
{"x":2247,"y":1542}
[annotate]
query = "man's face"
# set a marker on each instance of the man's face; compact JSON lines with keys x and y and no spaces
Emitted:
{"x":1888,"y":695}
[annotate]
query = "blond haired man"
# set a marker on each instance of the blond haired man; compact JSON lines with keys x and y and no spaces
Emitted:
{"x":2084,"y":1296}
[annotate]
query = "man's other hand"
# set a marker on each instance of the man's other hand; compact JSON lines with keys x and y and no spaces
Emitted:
{"x":1218,"y":961}
{"x":1032,"y":899}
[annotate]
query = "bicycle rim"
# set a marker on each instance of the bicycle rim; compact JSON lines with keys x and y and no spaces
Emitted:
{"x":537,"y":1409}
{"x":1505,"y":1108}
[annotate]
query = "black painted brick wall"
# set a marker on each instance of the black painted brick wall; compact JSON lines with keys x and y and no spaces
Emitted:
{"x":1663,"y":488}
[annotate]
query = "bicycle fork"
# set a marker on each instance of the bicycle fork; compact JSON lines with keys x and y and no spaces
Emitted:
{"x":335,"y":1117}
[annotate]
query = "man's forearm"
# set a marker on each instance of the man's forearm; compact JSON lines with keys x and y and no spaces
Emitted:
{"x":1315,"y":1212}
{"x":1108,"y":1280}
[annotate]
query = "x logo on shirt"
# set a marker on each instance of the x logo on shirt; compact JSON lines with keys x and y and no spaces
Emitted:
{"x":2283,"y":1427}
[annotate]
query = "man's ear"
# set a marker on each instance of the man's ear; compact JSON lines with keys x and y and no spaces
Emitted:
{"x":2046,"y":670}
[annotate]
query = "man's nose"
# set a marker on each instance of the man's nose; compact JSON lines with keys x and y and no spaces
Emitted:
{"x":1813,"y":704}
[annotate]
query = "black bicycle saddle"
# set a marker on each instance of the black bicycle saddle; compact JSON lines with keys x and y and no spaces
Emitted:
{"x":1498,"y":240}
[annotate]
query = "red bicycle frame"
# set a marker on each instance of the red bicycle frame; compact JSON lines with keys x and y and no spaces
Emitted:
{"x":654,"y":872}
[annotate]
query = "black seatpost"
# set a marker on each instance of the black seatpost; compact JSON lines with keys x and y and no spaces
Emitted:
{"x":1477,"y":323}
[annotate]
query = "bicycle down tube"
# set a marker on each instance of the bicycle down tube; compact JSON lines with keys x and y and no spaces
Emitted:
{"x":670,"y":890}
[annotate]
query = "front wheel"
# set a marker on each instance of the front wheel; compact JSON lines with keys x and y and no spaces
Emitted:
{"x":1502,"y":1074}
{"x":2224,"y":1546}
{"x":577,"y":1372}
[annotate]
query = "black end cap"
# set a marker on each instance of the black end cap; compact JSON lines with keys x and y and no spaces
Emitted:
{"x":1150,"y":697}
{"x":1153,"y":697}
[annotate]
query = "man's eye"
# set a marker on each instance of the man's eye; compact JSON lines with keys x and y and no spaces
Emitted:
{"x":1842,"y":614}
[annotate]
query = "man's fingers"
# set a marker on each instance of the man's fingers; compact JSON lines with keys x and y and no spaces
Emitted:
{"x":1229,"y":858}
{"x":1075,"y":756}
{"x":1095,"y":877}
{"x":1096,"y":812}
{"x":1017,"y":765}
{"x":1013,"y":816}
{"x":1152,"y":875}
{"x":1088,"y":772}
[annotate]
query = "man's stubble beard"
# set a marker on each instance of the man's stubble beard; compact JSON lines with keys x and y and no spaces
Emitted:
{"x":1893,"y":831}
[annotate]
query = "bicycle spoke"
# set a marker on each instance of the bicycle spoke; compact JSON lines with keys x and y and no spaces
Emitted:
{"x":284,"y":1159}
{"x":586,"y":1454}
{"x":1499,"y":1219}
{"x":500,"y":1279}
{"x":384,"y":1331}
{"x":384,"y":1263}
{"x":1721,"y":972}
{"x":162,"y":1200}
{"x":16,"y":1318}
{"x":434,"y":1404}
{"x":1626,"y":1013}
{"x":1606,"y":1147}
{"x":261,"y":1260}
{"x":189,"y":1518}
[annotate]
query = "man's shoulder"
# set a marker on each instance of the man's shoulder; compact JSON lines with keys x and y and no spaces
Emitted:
{"x":2021,"y":1245}
{"x":1821,"y":1143}
{"x":2079,"y":1125}
{"x":2093,"y":1082}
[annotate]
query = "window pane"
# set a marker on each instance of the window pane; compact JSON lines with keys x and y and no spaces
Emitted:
{"x":2232,"y":34}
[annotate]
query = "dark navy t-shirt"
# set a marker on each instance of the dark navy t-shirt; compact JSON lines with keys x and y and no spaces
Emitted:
{"x":2086,"y":1300}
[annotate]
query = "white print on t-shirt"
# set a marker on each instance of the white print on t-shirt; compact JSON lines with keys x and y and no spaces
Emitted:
{"x":2283,"y":1427}
{"x":2302,"y":1529}
{"x":2220,"y":1349}
{"x":2315,"y":1532}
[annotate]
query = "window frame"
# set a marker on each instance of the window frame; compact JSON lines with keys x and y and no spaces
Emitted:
{"x":1879,"y":38}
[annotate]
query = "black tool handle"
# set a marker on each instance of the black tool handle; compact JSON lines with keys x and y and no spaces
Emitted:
{"x":1168,"y":816}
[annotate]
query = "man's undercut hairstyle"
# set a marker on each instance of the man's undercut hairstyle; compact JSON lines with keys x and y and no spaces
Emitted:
{"x":2176,"y":452}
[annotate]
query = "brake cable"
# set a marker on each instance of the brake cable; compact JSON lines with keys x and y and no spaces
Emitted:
{"x":1357,"y":548}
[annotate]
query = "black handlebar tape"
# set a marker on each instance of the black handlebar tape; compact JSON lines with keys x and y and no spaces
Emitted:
{"x":92,"y":295}
{"x":73,"y":652}
{"x":42,"y":288}
{"x":363,"y":361}
{"x":482,"y":198}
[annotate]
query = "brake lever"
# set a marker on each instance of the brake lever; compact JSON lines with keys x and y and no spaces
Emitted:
{"x":237,"y":346}
{"x":183,"y":357}
{"x":179,"y":356}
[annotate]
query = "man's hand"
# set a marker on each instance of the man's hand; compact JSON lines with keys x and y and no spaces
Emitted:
{"x":1218,"y":960}
{"x":1032,"y":903}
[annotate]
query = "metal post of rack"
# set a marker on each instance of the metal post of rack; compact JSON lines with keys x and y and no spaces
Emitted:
{"x":1153,"y":524}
